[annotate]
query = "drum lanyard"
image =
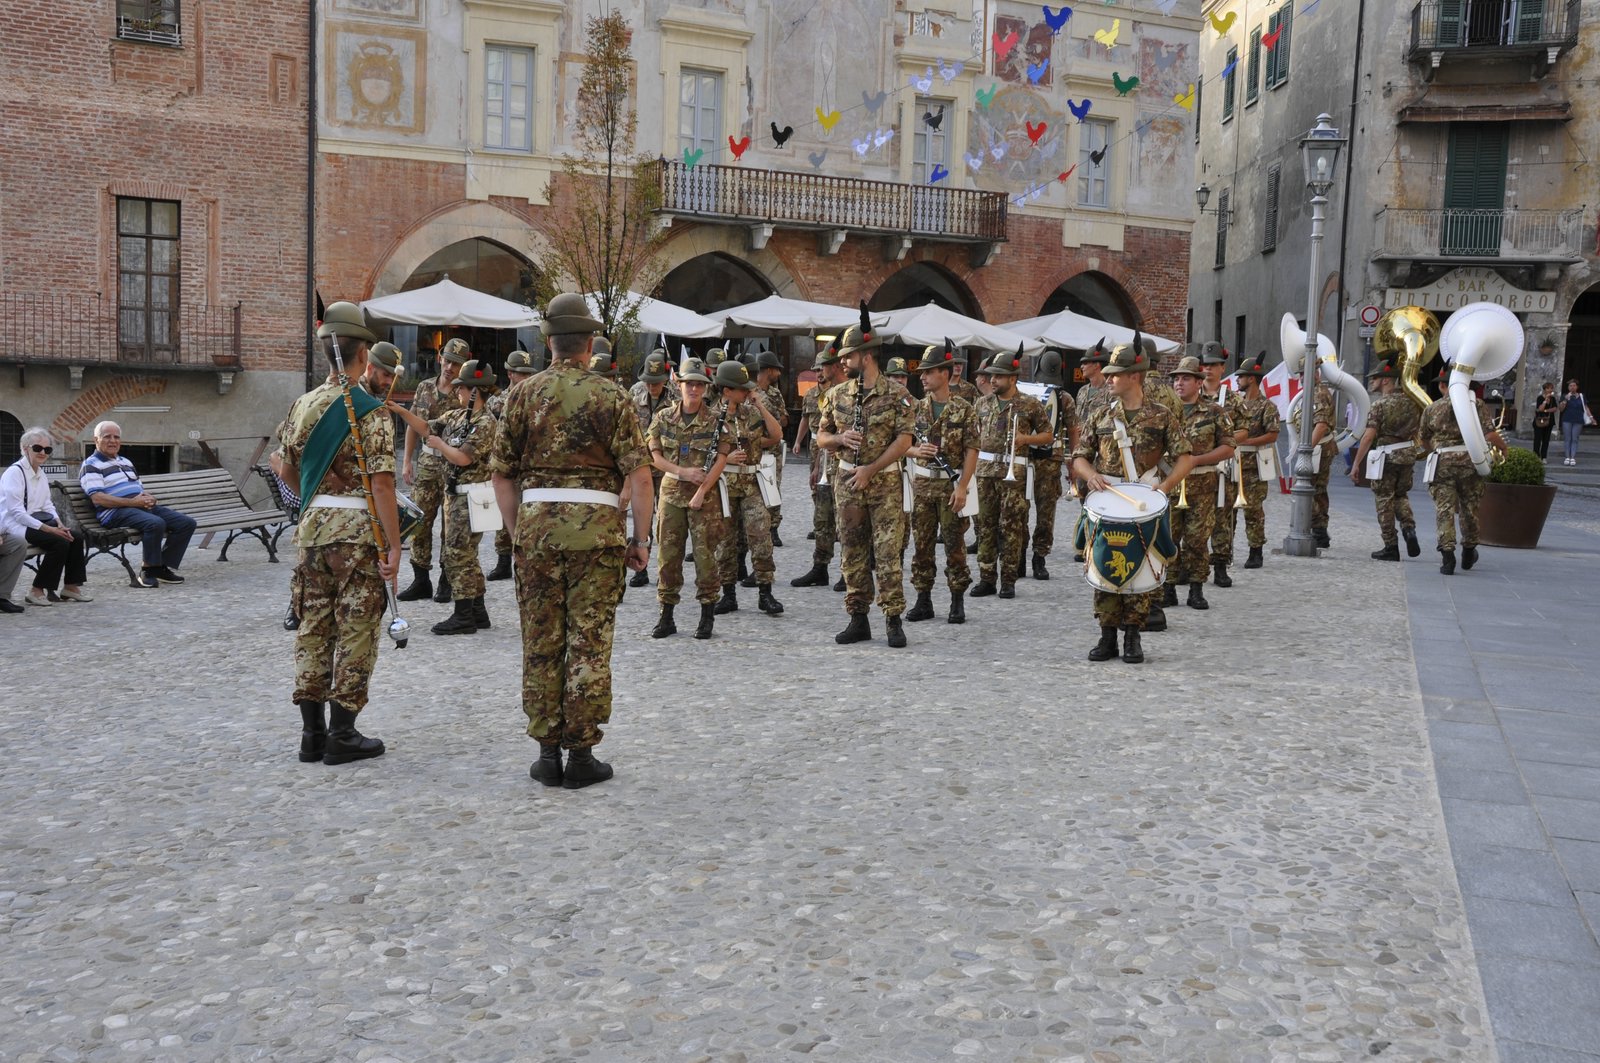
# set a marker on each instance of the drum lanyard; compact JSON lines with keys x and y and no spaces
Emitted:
{"x":1119,"y":429}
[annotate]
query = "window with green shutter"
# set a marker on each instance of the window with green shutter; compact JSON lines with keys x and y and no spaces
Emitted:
{"x":1278,"y":55}
{"x":1222,"y":229}
{"x":1530,"y":21}
{"x":1475,"y":188}
{"x":1269,"y":217}
{"x":1252,"y":73}
{"x":1229,"y":82}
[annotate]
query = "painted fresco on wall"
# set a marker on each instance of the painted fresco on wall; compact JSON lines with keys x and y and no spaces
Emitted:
{"x":1027,"y":48}
{"x":1164,"y":69}
{"x":398,"y":10}
{"x":1006,"y":148}
{"x":376,"y":79}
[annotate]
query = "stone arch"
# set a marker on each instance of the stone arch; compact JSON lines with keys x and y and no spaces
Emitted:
{"x":917,"y":283}
{"x":86,"y":409}
{"x":1093,"y":290}
{"x":451,"y":225}
{"x":712,"y":282}
{"x":730,"y":241}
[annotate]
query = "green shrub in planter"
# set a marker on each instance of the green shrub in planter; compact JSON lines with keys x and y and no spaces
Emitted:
{"x":1520,"y":467}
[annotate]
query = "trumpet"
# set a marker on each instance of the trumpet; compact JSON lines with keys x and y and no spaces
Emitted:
{"x":1183,"y":494}
{"x":1011,"y":450}
{"x":1239,"y":501}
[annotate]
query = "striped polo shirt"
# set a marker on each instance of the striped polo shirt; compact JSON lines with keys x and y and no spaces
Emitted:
{"x":112,"y":476}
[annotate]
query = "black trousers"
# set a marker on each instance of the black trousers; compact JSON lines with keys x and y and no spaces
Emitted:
{"x":1541,"y":441}
{"x":59,"y":556}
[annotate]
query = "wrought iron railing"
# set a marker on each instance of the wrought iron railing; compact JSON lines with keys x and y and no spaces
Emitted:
{"x":821,"y":201}
{"x":1444,"y":25}
{"x":1522,"y":235}
{"x":152,"y":21}
{"x":90,"y":330}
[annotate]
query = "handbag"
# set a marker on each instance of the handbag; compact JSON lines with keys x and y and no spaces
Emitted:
{"x":1543,"y":419}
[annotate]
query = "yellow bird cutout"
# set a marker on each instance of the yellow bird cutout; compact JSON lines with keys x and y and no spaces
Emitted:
{"x":1224,"y":24}
{"x":1185,"y":99}
{"x":1109,"y":37}
{"x":827,"y":120}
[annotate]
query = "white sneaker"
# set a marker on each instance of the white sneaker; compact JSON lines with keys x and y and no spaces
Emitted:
{"x":37,"y":597}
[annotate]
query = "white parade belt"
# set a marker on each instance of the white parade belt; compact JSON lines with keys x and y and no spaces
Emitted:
{"x":748,"y":470}
{"x":927,"y":472}
{"x":1462,"y":449}
{"x":571,"y":494}
{"x":466,"y":489}
{"x":1205,"y":470}
{"x":348,"y":501}
{"x":1431,"y":467}
{"x":1243,"y":448}
{"x":984,"y":455}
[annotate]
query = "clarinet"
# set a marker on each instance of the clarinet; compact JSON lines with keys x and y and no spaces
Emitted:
{"x":858,"y":421}
{"x":938,"y":460}
{"x":716,"y":438}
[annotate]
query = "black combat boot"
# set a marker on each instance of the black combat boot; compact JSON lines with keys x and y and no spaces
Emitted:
{"x":1039,"y":571}
{"x":856,"y":631}
{"x":958,"y":609}
{"x":839,"y":587}
{"x":480,"y":613}
{"x":547,"y":769}
{"x":1469,"y":556}
{"x":313,"y":731}
{"x":1413,"y":548}
{"x":441,"y":592}
{"x":640,"y":578}
{"x":775,"y":540}
{"x":1388,"y":553}
{"x":1221,"y":579}
{"x":1157,"y":621}
{"x":665,"y":625}
{"x":1254,"y":560}
{"x":766,"y":602}
{"x":1169,"y":594}
{"x":729,"y":602}
{"x":982,"y":589}
{"x":583,"y":770}
{"x":291,"y":619}
{"x":460,"y":622}
{"x":345,"y":743}
{"x":1321,"y":535}
{"x":744,"y":571}
{"x":897,"y":632}
{"x":502,"y":568}
{"x":708,"y":617}
{"x":816,"y":576}
{"x":1197,"y":597}
{"x":922,"y":609}
{"x":1447,"y":562}
{"x":1106,"y":648}
{"x":811,"y":535}
{"x":1132,"y":650}
{"x":421,"y":587}
{"x":1008,"y":590}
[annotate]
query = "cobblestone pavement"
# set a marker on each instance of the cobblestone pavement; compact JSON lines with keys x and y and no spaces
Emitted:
{"x":982,"y":846}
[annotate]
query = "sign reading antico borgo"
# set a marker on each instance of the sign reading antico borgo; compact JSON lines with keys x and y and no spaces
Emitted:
{"x":1470,"y":284}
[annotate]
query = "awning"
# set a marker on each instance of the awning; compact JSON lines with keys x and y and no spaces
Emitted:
{"x":777,"y":316}
{"x":448,"y":303}
{"x":663,"y":318}
{"x":1076,"y":332}
{"x":920,"y":326}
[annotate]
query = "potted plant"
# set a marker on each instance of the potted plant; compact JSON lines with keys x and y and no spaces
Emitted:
{"x":1516,"y":501}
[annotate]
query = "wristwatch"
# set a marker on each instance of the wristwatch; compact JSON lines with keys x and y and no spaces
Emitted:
{"x":634,"y":542}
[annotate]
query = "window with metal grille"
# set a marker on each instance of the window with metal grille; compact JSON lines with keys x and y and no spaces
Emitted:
{"x":153,"y":21}
{"x":147,"y":278}
{"x":1278,"y":54}
{"x":1269,"y":219}
{"x":1229,"y":83}
{"x":508,"y":98}
{"x":1252,"y":71}
{"x":1222,"y":230}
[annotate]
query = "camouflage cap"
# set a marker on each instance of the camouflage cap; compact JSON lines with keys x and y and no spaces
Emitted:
{"x":1256,"y":366}
{"x":520,"y":362}
{"x":603,"y":364}
{"x":1005,"y":364}
{"x":769,"y":360}
{"x":655,"y":368}
{"x":693,"y":371}
{"x":731,"y":374}
{"x":896,"y":367}
{"x":456,"y":351}
{"x":475,"y":374}
{"x":1189,"y":366}
{"x":385,"y":356}
{"x":568,"y":315}
{"x":1050,"y":369}
{"x":1213,"y":353}
{"x":346,"y":320}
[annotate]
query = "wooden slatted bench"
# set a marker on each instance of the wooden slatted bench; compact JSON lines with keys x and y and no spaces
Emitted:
{"x":208,"y":495}
{"x":287,"y":503}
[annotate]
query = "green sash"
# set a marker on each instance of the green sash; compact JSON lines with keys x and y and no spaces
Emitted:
{"x":332,"y":429}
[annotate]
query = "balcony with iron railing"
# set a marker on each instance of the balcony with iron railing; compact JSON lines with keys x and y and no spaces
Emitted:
{"x":89,"y":330}
{"x":768,"y":199}
{"x":150,"y":21}
{"x":1474,"y":30}
{"x":1509,"y":237}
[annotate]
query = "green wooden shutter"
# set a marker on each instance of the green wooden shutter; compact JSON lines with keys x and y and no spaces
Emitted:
{"x":1229,"y":83}
{"x":1286,"y":25}
{"x":1272,"y":53}
{"x":1252,"y":74}
{"x":1475,"y":189}
{"x":1530,"y":21}
{"x":1269,"y":222}
{"x":1449,"y":23}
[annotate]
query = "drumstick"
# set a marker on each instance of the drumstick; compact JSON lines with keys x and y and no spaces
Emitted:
{"x":1140,"y":506}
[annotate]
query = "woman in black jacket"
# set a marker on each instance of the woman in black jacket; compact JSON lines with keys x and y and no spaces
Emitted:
{"x":1544,"y":420}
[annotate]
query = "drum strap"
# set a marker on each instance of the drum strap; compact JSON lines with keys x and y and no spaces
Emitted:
{"x":1119,"y":429}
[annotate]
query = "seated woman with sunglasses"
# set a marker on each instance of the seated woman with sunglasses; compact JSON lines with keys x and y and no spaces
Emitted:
{"x":27,"y":510}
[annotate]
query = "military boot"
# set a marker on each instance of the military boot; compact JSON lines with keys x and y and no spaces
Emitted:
{"x":1469,"y":556}
{"x":502,"y":568}
{"x":583,"y":770}
{"x":729,"y":602}
{"x":1132,"y":649}
{"x":1321,"y":535}
{"x":816,"y":576}
{"x":858,"y":630}
{"x":441,"y":593}
{"x":708,"y":617}
{"x":1169,"y":594}
{"x":421,"y":587}
{"x":1007,"y":590}
{"x":1157,"y":620}
{"x":744,"y":576}
{"x":291,"y":619}
{"x":982,"y":589}
{"x":1447,"y":562}
{"x":1254,"y":560}
{"x":640,"y":578}
{"x":547,"y":769}
{"x":665,"y":625}
{"x":313,"y":731}
{"x":1413,"y":548}
{"x":1390,"y":552}
{"x":897,"y":632}
{"x":1039,"y":571}
{"x":1221,"y":577}
{"x":1106,"y":648}
{"x":345,"y":743}
{"x":775,"y":540}
{"x":839,"y":587}
{"x":460,"y":622}
{"x":1197,"y":597}
{"x":958,"y":609}
{"x":766,"y":602}
{"x":923,"y":607}
{"x":480,"y":613}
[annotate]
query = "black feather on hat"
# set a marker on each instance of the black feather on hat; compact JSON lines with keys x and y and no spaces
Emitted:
{"x":866,"y":323}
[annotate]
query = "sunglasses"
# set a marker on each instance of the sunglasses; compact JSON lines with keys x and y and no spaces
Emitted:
{"x":37,"y":449}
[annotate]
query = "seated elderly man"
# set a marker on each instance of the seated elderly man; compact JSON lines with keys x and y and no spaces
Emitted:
{"x":122,"y":502}
{"x":13,"y":551}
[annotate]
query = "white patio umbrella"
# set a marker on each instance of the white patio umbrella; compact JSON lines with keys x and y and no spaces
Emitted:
{"x":777,"y":316}
{"x":663,"y":318}
{"x":1077,"y":332}
{"x":448,"y":303}
{"x":921,"y":325}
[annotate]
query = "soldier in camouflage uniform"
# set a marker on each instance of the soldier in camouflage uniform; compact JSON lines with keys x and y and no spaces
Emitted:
{"x":1256,"y":430}
{"x":1208,"y":429}
{"x":1391,"y":429}
{"x":1325,"y":451}
{"x":1456,"y":486}
{"x":1048,"y":464}
{"x":1214,"y":361}
{"x":1090,"y":398}
{"x":1002,"y":503}
{"x":650,"y":394}
{"x":566,"y":444}
{"x":946,"y":427}
{"x":867,"y":422}
{"x":519,"y":367}
{"x":752,"y":429}
{"x":895,"y":369}
{"x":1155,"y":435}
{"x":464,"y":436}
{"x":681,"y":438}
{"x":339,"y":580}
{"x":433,"y":399}
{"x":961,"y":387}
{"x":830,"y":374}
{"x":768,"y":378}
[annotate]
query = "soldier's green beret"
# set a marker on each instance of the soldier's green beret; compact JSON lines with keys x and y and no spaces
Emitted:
{"x":1003,"y":364}
{"x":769,"y":360}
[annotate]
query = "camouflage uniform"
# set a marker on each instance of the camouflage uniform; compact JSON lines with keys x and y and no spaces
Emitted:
{"x":1257,"y":417}
{"x":1226,"y":519}
{"x":870,"y":521}
{"x":458,"y":556}
{"x":646,"y":408}
{"x":1088,"y":400}
{"x":1396,"y":418}
{"x":1155,"y":435}
{"x":1205,"y":426}
{"x":566,"y":428}
{"x":427,"y":490}
{"x":338,"y":592}
{"x":772,"y":395}
{"x":954,"y":430}
{"x":823,"y":524}
{"x":744,"y":427}
{"x":1322,"y":413}
{"x":1457,"y":488}
{"x":1047,"y":474}
{"x":966,"y":389}
{"x":1003,"y":506}
{"x":684,"y":439}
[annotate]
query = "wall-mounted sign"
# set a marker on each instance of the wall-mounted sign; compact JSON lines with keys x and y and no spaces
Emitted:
{"x":1470,"y":284}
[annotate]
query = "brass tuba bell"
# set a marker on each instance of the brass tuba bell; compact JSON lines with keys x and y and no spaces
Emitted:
{"x":1409,"y":336}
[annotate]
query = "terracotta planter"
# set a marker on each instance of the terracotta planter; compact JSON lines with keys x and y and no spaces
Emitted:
{"x":1513,"y":515}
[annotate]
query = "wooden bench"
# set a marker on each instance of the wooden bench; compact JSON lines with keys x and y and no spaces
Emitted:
{"x":208,"y":495}
{"x":286,"y":502}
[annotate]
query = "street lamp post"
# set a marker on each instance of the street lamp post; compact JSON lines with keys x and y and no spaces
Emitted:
{"x":1318,"y":151}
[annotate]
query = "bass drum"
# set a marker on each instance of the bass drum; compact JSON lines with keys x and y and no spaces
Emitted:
{"x":1125,"y":534}
{"x":410,"y":514}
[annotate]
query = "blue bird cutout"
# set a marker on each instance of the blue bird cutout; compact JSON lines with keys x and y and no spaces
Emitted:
{"x":1057,"y":20}
{"x":1079,"y":110}
{"x":1229,"y":68}
{"x":939,"y":174}
{"x":1035,"y":72}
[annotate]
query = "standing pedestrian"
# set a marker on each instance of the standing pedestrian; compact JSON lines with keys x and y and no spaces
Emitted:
{"x":1391,"y":428}
{"x":1544,"y":419}
{"x":425,"y":473}
{"x":1574,"y":414}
